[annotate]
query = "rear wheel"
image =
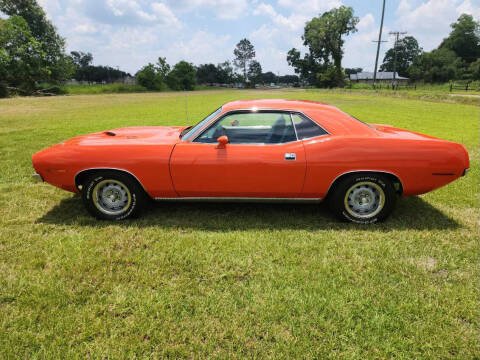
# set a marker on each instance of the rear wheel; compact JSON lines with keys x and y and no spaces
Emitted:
{"x":363,"y":198}
{"x":111,"y":195}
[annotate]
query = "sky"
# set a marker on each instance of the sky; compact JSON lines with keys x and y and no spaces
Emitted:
{"x":131,"y":33}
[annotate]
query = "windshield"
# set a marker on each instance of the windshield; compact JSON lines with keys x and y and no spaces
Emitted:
{"x":194,"y":129}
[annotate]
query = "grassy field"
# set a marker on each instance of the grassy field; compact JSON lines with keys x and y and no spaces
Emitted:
{"x":231,"y":280}
{"x":110,"y":89}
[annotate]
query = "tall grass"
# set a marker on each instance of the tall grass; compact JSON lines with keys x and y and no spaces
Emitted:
{"x":102,"y":89}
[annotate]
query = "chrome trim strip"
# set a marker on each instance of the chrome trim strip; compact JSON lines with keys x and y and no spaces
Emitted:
{"x":294,"y":127}
{"x":359,"y":171}
{"x":238,"y":199}
{"x":108,"y":168}
{"x":289,"y":111}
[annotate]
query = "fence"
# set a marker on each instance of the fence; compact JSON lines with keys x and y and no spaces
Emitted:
{"x":465,"y":86}
{"x":383,"y":86}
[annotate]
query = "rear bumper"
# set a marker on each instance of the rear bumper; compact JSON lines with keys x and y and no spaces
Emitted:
{"x":37,"y":177}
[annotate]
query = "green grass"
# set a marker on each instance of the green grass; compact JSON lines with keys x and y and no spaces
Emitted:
{"x":111,"y":89}
{"x":102,"y":89}
{"x":429,"y":92}
{"x":232,"y":280}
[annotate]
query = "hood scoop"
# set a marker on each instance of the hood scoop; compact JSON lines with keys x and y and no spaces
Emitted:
{"x":110,"y":133}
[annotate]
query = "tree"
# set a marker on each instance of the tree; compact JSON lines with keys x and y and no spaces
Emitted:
{"x":207,"y":74}
{"x":55,"y":62}
{"x":255,"y":72}
{"x":288,"y":79}
{"x":475,"y":69}
{"x":97,"y":74}
{"x":437,"y":66}
{"x":323,"y":36}
{"x":81,"y":59}
{"x":307,"y":68}
{"x":351,"y":71}
{"x":21,"y":57}
{"x":182,"y":77}
{"x":154,"y":76}
{"x":464,"y":39}
{"x":407,"y":51}
{"x":225,"y":73}
{"x":244,"y":53}
{"x":269,"y":77}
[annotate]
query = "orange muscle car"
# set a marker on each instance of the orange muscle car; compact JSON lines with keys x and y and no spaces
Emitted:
{"x":274,"y":150}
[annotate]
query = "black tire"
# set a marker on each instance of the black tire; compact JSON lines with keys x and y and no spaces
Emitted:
{"x":130,"y":196}
{"x":370,"y":199}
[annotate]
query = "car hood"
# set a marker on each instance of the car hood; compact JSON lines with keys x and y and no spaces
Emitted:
{"x":137,"y":135}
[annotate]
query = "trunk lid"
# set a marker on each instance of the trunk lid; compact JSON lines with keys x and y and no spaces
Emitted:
{"x":393,"y":132}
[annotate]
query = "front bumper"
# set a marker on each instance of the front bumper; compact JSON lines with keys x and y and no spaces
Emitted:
{"x":37,"y":177}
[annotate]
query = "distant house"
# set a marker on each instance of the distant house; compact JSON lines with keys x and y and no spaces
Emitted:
{"x":129,"y":80}
{"x":382,"y":77}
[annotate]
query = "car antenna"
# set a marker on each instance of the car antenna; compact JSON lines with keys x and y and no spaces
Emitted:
{"x":186,"y":107}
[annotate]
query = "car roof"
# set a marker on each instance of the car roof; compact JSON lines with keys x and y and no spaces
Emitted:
{"x":329,"y":117}
{"x":280,"y":104}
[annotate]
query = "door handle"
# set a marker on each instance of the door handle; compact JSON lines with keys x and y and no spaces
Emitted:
{"x":290,"y":156}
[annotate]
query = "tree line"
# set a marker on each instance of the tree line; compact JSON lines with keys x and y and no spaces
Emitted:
{"x":184,"y":75}
{"x":457,"y":57}
{"x":32,"y":52}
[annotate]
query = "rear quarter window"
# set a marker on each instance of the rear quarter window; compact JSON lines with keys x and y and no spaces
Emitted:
{"x":306,"y":128}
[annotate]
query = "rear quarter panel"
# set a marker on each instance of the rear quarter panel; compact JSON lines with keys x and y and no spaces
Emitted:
{"x":414,"y":162}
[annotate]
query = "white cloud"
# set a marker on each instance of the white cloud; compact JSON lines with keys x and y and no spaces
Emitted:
{"x":467,"y":8}
{"x":311,"y":7}
{"x":50,"y":6}
{"x":360,"y":47}
{"x":429,"y":21}
{"x":131,"y":33}
{"x":201,"y":47}
{"x":223,"y":9}
{"x":265,"y":9}
{"x":163,"y":13}
{"x":122,"y":7}
{"x":85,"y":29}
{"x":294,"y":22}
{"x":366,"y":22}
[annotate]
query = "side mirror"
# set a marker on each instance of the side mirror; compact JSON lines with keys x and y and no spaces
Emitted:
{"x":222,"y":142}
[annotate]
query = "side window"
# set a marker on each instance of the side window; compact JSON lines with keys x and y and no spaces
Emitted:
{"x":250,"y":128}
{"x":306,"y":128}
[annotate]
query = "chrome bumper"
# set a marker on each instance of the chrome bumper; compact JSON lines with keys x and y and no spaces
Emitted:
{"x":465,"y":171}
{"x":37,"y":178}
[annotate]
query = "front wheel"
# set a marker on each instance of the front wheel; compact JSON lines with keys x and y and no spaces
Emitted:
{"x":110,"y":195}
{"x":363,"y":198}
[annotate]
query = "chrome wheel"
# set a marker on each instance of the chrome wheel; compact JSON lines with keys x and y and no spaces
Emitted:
{"x":364,"y":199}
{"x":111,"y":197}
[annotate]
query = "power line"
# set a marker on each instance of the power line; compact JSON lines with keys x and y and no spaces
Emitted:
{"x":378,"y":44}
{"x":397,"y":34}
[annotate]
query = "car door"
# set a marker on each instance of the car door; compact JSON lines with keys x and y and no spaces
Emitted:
{"x":263,"y":158}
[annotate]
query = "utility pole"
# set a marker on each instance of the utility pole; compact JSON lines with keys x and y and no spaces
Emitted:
{"x":397,"y":34}
{"x":378,"y":45}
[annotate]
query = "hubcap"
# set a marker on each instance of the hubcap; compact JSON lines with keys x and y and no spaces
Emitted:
{"x":364,"y":199}
{"x":111,"y":197}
